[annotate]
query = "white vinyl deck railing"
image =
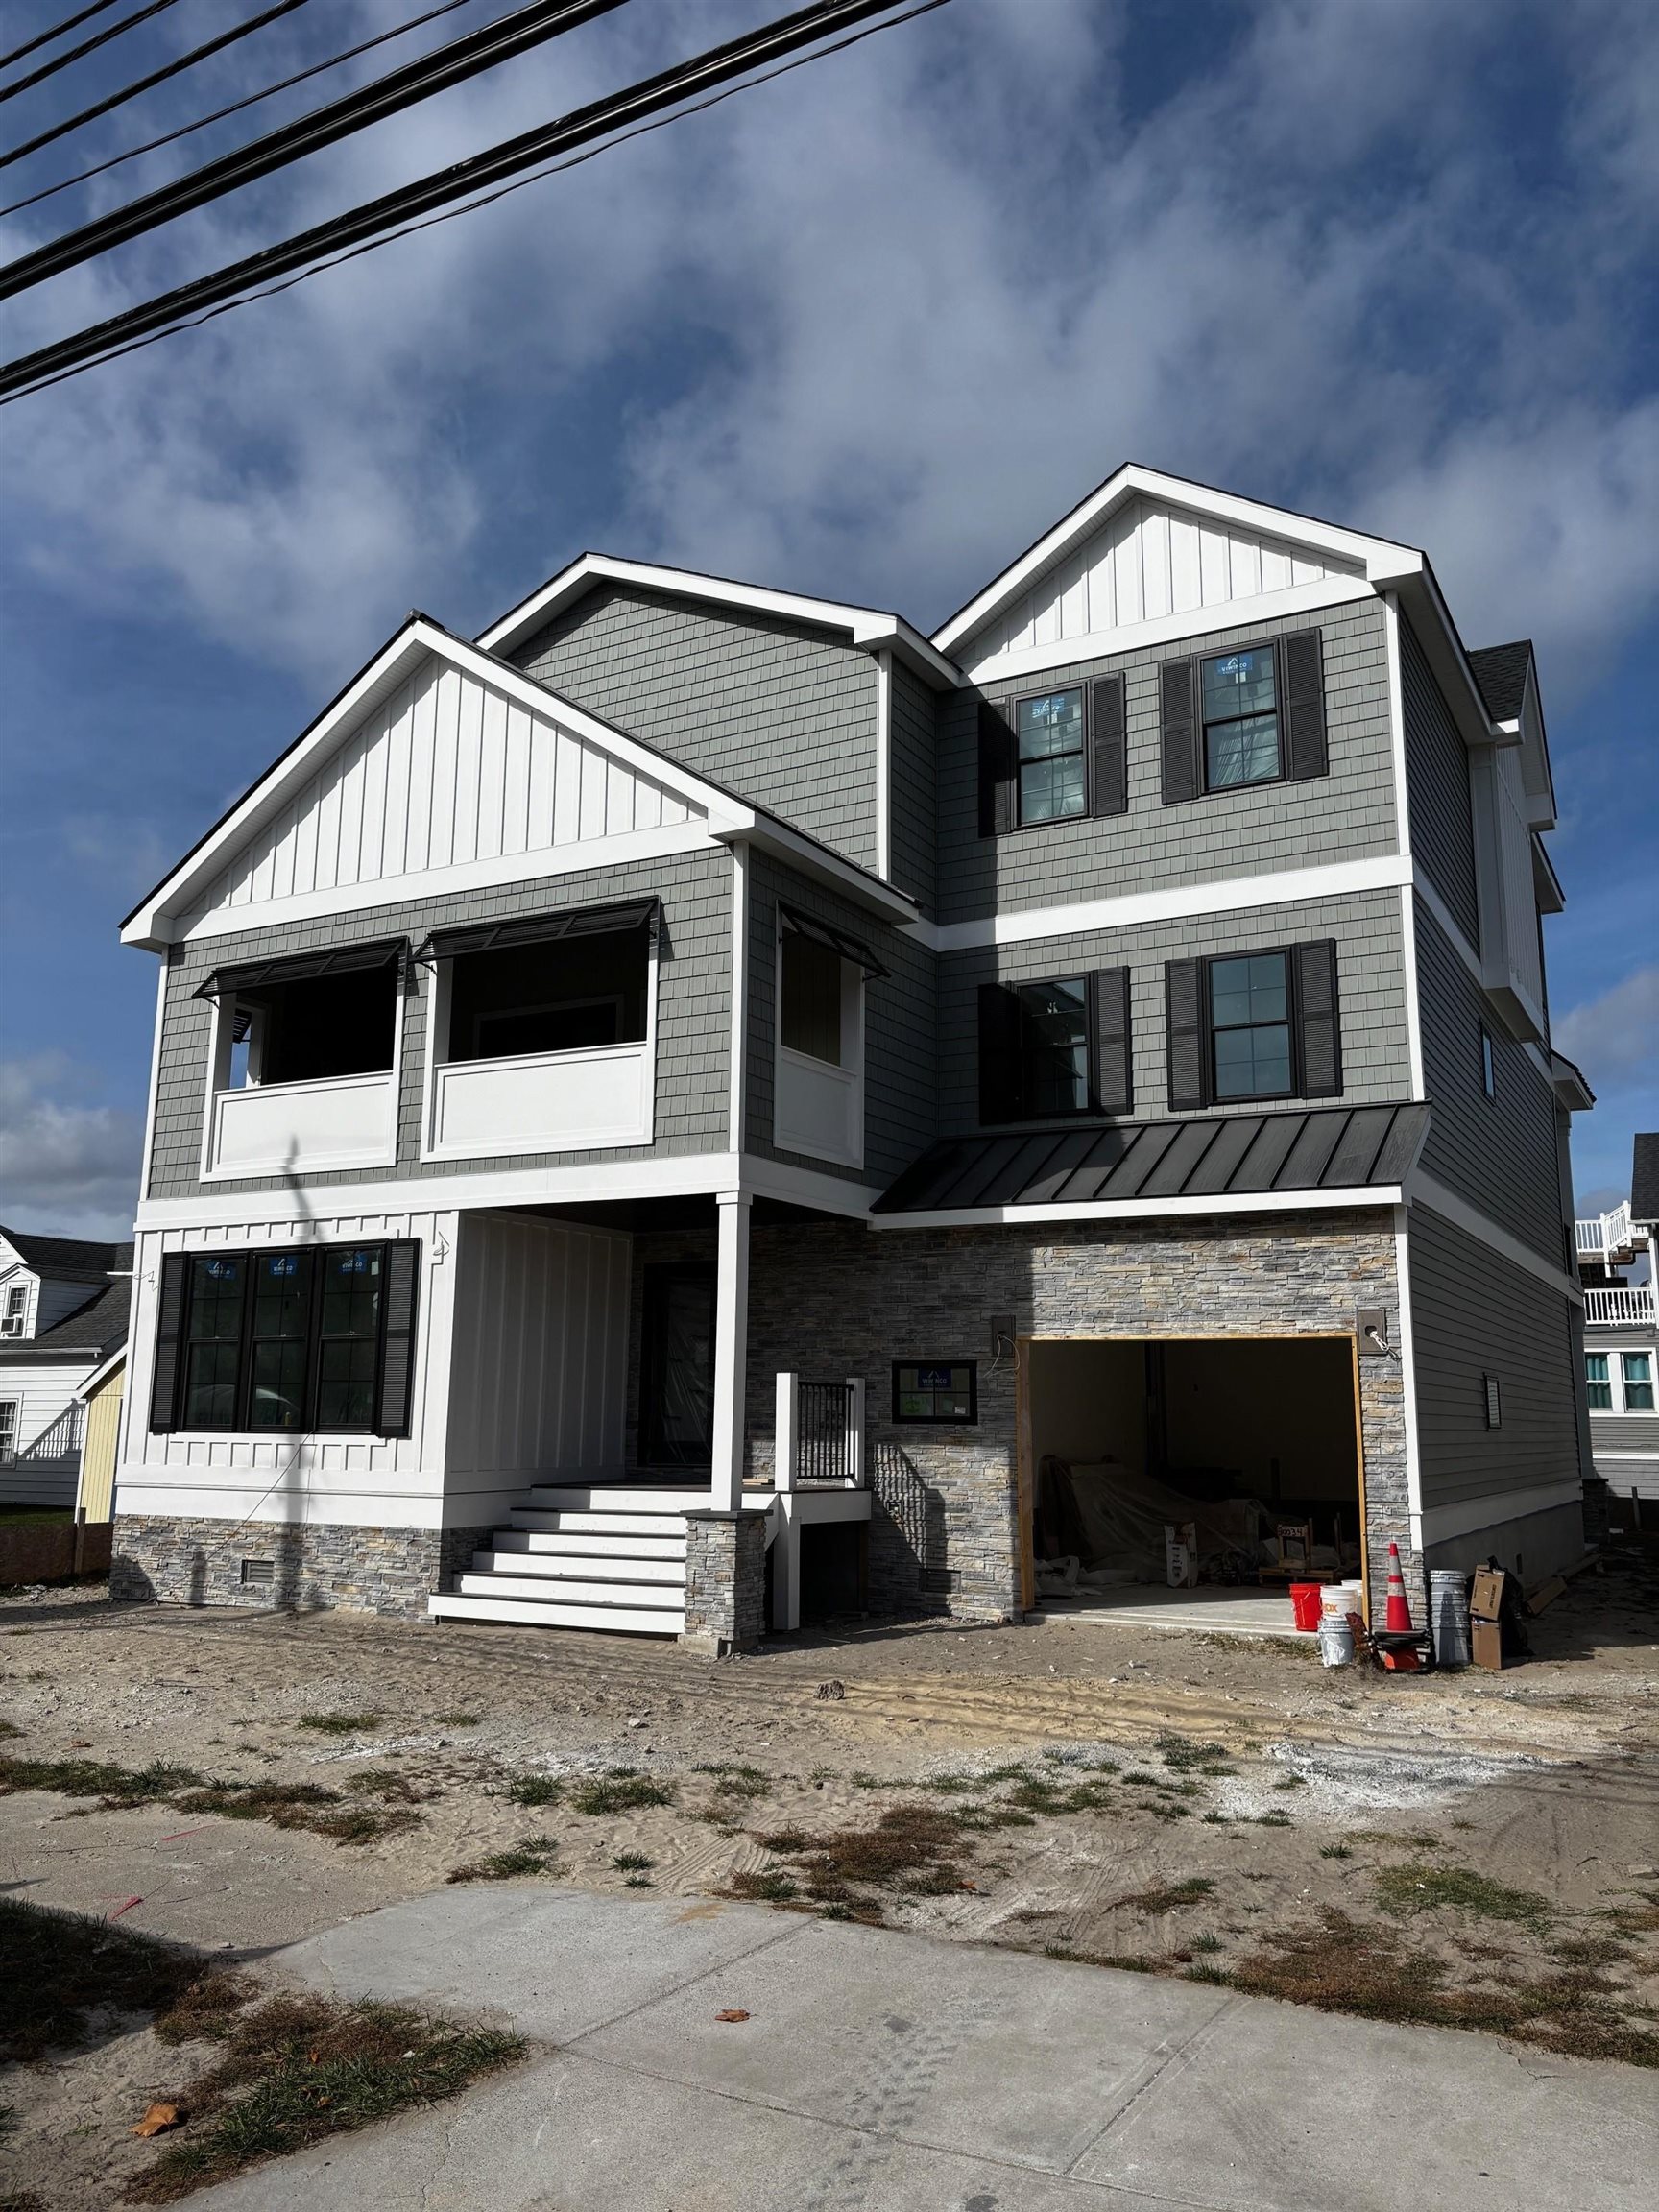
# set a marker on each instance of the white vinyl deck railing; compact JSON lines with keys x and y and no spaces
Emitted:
{"x":1621,"y":1309}
{"x":1604,"y":1233}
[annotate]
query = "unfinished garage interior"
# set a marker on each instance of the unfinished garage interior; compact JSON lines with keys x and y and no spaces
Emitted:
{"x":1244,"y":1451}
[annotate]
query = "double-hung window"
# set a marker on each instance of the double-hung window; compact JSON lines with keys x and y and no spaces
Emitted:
{"x":1254,"y":1025}
{"x":1250,"y":1026}
{"x":1240,"y":704}
{"x":306,"y":1342}
{"x":1598,"y":1382}
{"x":7,"y":1430}
{"x":1048,"y":737}
{"x":1056,"y":1047}
{"x":12,"y":1319}
{"x":1638,"y":1367}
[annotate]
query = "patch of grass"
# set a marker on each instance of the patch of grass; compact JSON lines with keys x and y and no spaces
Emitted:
{"x":1214,"y":1820}
{"x":632,"y":1862}
{"x":619,"y":1791}
{"x":341,"y":1723}
{"x":1206,"y":1942}
{"x":1138,"y":1778}
{"x":59,"y":1968}
{"x":1187,"y":1757}
{"x":772,"y":1887}
{"x":1169,"y":1897}
{"x":387,"y":1784}
{"x":533,"y":1856}
{"x":1459,"y":1890}
{"x":1270,"y":1820}
{"x":1334,"y":1851}
{"x":743,"y":1783}
{"x":1037,"y":1793}
{"x":1291,"y":1782}
{"x":914,"y":1849}
{"x":297,"y":2070}
{"x":536,"y":1790}
{"x":114,"y":1786}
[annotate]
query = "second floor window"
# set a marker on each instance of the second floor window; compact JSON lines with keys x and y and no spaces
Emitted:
{"x":1254,"y":1025}
{"x":1240,"y":694}
{"x":1048,"y":734}
{"x":1250,"y":1026}
{"x":1637,"y":1369}
{"x":809,"y":1009}
{"x":1598,"y":1381}
{"x":17,"y":1311}
{"x":1055,"y":1048}
{"x":1053,"y":1031}
{"x":7,"y":1430}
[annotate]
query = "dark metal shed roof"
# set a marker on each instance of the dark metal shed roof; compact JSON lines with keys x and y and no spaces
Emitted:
{"x":1323,"y":1148}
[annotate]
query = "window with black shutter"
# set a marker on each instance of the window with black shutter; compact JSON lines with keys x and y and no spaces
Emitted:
{"x":1056,"y":1047}
{"x":1254,"y":1025}
{"x":316,"y":1340}
{"x":1255,"y":714}
{"x":1053,"y":757}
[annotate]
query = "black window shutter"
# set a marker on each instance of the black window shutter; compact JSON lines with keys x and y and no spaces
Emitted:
{"x":1318,"y":1026}
{"x":1178,"y":705}
{"x":169,"y":1342}
{"x":1302,"y":667}
{"x":1189,"y":1044}
{"x":397,"y":1353}
{"x":1108,"y":744}
{"x":999,"y":1053}
{"x":1113,"y":1082}
{"x":998,"y":773}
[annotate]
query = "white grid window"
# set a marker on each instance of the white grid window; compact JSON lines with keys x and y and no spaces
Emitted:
{"x":15,"y":1310}
{"x":7,"y":1430}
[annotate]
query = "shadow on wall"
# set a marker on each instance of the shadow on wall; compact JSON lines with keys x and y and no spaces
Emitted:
{"x":907,"y":1556}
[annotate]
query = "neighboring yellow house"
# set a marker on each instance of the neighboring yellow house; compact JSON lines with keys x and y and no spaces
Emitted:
{"x":101,"y":1395}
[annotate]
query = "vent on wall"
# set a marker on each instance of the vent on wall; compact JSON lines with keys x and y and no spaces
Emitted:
{"x":1494,"y":1402}
{"x":258,"y":1573}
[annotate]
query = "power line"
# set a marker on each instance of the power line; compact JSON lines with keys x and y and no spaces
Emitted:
{"x":399,"y":88}
{"x":57,"y":31}
{"x":253,"y":100}
{"x":86,"y":46}
{"x":173,"y":68}
{"x":163,"y":318}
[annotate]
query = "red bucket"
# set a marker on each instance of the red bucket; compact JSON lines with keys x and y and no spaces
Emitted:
{"x":1305,"y":1598}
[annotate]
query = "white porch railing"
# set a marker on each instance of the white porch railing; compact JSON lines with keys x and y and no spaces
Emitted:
{"x":1621,"y":1309}
{"x":1604,"y":1233}
{"x":303,"y":1128}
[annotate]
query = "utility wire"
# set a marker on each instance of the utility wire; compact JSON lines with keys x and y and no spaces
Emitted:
{"x":57,"y":31}
{"x":86,"y":46}
{"x":415,"y":81}
{"x":156,"y":77}
{"x":164,"y":318}
{"x":253,"y":100}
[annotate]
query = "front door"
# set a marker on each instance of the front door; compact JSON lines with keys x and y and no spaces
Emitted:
{"x":677,"y":1367}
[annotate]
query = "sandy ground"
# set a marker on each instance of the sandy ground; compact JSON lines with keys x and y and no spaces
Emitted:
{"x":1545,"y":1777}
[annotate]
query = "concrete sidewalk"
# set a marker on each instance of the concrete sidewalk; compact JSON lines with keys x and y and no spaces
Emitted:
{"x":890,"y":2073}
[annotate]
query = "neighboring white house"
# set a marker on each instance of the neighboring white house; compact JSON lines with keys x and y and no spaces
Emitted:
{"x":1616,"y":1260}
{"x":63,"y":1310}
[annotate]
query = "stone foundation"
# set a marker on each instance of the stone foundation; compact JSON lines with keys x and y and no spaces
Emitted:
{"x":724,"y":1582}
{"x":184,"y":1561}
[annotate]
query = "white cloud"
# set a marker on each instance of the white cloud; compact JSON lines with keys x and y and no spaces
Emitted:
{"x":1616,"y":1036}
{"x":68,"y":1168}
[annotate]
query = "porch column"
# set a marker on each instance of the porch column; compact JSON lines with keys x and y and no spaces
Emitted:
{"x":731,"y":1350}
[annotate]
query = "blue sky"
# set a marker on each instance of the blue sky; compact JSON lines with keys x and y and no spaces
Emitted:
{"x":863,"y":332}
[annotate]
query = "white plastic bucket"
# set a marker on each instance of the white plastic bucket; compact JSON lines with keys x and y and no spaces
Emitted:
{"x":1336,"y":1601}
{"x":1336,"y":1640}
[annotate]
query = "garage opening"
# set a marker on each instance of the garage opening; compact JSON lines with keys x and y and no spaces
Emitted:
{"x":1190,"y":1470}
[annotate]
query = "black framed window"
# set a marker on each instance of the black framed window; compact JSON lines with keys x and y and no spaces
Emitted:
{"x":1056,"y":1047}
{"x":1053,"y":1070}
{"x":943,"y":1392}
{"x":1048,"y":735}
{"x":1488,"y":1065}
{"x":296,"y":1341}
{"x":1239,"y":695}
{"x":809,"y":998}
{"x":1250,"y":1031}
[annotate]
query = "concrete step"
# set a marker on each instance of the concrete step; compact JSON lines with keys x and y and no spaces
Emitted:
{"x":525,"y":1543}
{"x":605,"y":1498}
{"x":616,"y":1567}
{"x":558,"y":1591}
{"x":518,"y":1612}
{"x":567,"y":1523}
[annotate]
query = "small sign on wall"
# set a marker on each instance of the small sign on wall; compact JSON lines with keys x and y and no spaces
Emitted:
{"x":943,"y":1392}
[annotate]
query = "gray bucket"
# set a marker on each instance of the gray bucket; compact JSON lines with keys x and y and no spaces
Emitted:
{"x":1449,"y":1616}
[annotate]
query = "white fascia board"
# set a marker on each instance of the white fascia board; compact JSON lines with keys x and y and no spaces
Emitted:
{"x":763,"y":1178}
{"x":1380,"y":559}
{"x":1422,"y":1189}
{"x":1147,"y":1209}
{"x":1441,"y":1523}
{"x":102,"y":1373}
{"x":866,"y":626}
{"x":1545,"y":884}
{"x":1171,"y":629}
{"x":151,"y":925}
{"x":1182,"y":901}
{"x":808,"y":857}
{"x":1443,"y":648}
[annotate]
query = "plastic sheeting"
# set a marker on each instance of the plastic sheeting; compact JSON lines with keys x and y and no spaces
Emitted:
{"x":1112,"y":1516}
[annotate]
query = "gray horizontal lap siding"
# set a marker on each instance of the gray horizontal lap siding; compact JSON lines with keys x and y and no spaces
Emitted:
{"x":1624,"y":1433}
{"x":1346,"y":815}
{"x":913,"y":741}
{"x":1438,"y":798}
{"x":1474,"y":1314}
{"x":1370,"y":969}
{"x":693,"y":1017}
{"x":785,"y":717}
{"x":900,"y":1016}
{"x":1498,"y":1153}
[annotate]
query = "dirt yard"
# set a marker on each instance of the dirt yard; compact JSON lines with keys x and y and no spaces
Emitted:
{"x":1476,"y":1849}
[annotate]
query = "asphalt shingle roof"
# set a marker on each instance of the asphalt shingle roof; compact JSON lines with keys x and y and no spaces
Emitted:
{"x":66,"y":1259}
{"x":1500,"y":671}
{"x":1645,"y":1177}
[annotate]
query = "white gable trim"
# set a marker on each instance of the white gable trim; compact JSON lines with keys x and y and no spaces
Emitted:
{"x":1379,"y":559}
{"x":866,"y":626}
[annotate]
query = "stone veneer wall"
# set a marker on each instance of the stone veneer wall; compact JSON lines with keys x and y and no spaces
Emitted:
{"x":831,"y":1299}
{"x":192,"y":1561}
{"x":724,"y":1582}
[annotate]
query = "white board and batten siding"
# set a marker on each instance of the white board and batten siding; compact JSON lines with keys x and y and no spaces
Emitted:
{"x":519,"y":1373}
{"x":445,"y":774}
{"x":1149,"y":563}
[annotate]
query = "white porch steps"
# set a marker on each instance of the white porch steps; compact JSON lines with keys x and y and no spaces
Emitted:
{"x":598,"y":1557}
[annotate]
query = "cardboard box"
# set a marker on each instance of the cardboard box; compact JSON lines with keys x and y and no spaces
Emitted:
{"x":1487,"y":1642}
{"x":1486,"y":1598}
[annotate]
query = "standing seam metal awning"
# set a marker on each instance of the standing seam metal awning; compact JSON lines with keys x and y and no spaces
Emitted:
{"x":1322,"y":1148}
{"x":539,"y":929}
{"x":303,"y":966}
{"x":850,"y":947}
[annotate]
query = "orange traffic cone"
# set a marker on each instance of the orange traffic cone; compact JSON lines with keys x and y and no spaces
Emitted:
{"x":1399,"y":1618}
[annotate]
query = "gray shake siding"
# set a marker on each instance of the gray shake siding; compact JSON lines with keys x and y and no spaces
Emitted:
{"x":1346,"y":815}
{"x":1473,"y":1314}
{"x":900,"y":1016}
{"x":1498,"y":1153}
{"x":781,"y":714}
{"x":912,"y":740}
{"x":693,"y":999}
{"x":1438,"y":799}
{"x":1376,"y":1061}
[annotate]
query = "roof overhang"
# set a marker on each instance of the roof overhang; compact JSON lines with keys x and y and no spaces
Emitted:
{"x":866,"y":627}
{"x":156,"y":921}
{"x":102,"y":1373}
{"x":1570,"y":1089}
